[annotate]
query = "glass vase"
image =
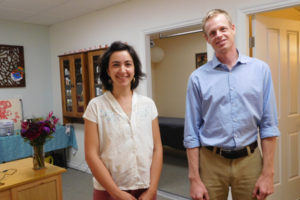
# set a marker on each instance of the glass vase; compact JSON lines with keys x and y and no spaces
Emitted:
{"x":38,"y":157}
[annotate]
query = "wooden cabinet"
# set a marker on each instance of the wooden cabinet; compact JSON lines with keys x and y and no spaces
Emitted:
{"x":5,"y":195}
{"x":95,"y":84}
{"x":47,"y":189}
{"x":29,"y":184}
{"x":80,"y":82}
{"x":74,"y":86}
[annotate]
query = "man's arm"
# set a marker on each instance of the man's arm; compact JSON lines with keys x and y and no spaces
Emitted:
{"x":265,"y":185}
{"x":193,"y":117}
{"x":268,"y":133}
{"x":198,"y":190}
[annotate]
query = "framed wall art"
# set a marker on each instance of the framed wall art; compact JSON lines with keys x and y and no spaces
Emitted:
{"x":12,"y":69}
{"x":201,"y":59}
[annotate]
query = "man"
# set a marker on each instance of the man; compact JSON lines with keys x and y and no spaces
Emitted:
{"x":229,"y":99}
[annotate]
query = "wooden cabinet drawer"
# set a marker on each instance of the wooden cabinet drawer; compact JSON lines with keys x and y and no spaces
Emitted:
{"x":41,"y":190}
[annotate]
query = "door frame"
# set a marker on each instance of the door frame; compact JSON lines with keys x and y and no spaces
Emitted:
{"x":163,"y":28}
{"x":242,"y":20}
{"x":244,"y":23}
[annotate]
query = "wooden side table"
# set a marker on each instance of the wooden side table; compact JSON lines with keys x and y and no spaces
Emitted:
{"x":29,"y":184}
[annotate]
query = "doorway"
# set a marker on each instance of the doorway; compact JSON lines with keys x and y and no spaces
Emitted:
{"x":173,"y":52}
{"x":170,"y":74}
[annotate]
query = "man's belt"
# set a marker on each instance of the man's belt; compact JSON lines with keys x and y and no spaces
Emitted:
{"x":232,"y":154}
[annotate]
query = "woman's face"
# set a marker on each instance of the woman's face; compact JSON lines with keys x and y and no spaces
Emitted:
{"x":121,"y":69}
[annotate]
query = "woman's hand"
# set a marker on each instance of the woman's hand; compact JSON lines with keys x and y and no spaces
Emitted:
{"x":122,"y":195}
{"x":147,"y":195}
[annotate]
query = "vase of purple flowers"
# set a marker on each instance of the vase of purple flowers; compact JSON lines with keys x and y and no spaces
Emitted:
{"x":38,"y":156}
{"x":37,"y":132}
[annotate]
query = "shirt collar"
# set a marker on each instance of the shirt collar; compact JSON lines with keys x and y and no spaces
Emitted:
{"x":242,"y":59}
{"x":116,"y":106}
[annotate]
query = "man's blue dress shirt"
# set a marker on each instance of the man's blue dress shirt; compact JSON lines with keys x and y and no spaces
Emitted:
{"x":227,"y":108}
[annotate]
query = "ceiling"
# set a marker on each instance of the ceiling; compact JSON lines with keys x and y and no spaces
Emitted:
{"x":47,"y":12}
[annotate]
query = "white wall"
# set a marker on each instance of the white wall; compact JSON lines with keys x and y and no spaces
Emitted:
{"x":129,"y":22}
{"x":37,"y":95}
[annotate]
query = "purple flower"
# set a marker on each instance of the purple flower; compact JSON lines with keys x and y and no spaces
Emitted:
{"x":46,"y":129}
{"x":37,"y":131}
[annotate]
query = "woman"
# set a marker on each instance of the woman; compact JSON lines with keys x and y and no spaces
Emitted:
{"x":122,"y":140}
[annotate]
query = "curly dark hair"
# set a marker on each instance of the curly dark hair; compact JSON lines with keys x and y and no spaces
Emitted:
{"x":104,"y":63}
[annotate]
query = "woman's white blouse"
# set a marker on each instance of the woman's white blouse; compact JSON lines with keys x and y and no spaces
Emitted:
{"x":126,"y":145}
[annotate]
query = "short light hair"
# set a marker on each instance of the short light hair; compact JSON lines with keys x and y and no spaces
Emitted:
{"x":213,"y":13}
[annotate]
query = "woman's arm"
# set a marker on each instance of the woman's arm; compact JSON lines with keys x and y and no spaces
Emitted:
{"x":92,"y":157}
{"x":156,"y":165}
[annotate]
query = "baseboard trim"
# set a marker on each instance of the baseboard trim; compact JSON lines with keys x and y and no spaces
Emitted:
{"x":79,"y":166}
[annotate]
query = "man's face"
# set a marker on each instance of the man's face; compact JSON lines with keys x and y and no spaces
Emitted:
{"x":220,"y":34}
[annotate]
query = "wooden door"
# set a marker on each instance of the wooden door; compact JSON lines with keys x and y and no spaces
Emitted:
{"x":5,"y":195}
{"x":277,"y":43}
{"x":45,"y":189}
{"x":66,"y":85}
{"x":96,"y":88}
{"x":79,"y":84}
{"x":74,"y":86}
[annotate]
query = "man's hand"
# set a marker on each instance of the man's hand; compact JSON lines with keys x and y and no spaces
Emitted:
{"x":263,"y":187}
{"x":198,"y":190}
